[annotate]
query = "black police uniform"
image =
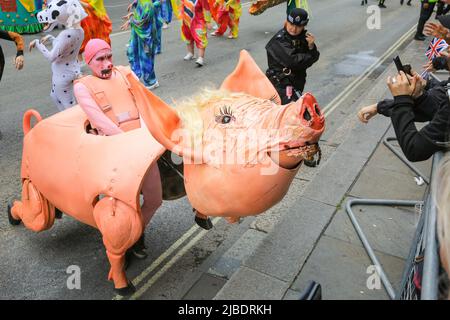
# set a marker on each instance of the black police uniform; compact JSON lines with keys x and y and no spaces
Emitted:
{"x":288,"y":58}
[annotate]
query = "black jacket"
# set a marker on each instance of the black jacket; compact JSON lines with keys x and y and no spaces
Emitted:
{"x":432,"y":106}
{"x":11,"y":36}
{"x":292,"y":52}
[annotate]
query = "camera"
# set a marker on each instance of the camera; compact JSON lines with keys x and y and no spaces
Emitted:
{"x":401,"y":67}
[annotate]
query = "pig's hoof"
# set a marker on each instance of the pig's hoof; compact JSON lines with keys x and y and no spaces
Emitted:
{"x":204,"y":223}
{"x":138,"y":249}
{"x":12,"y":221}
{"x":127,"y":291}
{"x":58,"y":213}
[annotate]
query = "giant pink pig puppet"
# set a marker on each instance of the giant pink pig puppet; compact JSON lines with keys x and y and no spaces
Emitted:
{"x":97,"y":179}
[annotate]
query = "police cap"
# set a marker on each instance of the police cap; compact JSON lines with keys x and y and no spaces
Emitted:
{"x":298,"y":16}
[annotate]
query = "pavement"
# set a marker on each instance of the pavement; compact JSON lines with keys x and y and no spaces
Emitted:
{"x":314,"y":238}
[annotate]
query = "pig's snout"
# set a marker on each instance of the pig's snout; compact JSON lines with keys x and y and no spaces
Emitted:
{"x":311,"y":116}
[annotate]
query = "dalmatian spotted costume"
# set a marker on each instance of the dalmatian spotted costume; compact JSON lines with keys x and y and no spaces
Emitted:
{"x":65,"y":48}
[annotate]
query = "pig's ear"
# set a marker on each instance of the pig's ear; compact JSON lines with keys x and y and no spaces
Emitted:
{"x":248,"y":78}
{"x":161,"y":119}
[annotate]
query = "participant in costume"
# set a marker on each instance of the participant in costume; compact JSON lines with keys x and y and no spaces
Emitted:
{"x":144,"y":40}
{"x":97,"y":25}
{"x":12,"y":36}
{"x":121,"y":116}
{"x":65,"y":48}
{"x":20,"y":16}
{"x":228,"y":15}
{"x":196,"y":17}
{"x":106,"y":174}
{"x":213,"y":9}
{"x":159,"y":22}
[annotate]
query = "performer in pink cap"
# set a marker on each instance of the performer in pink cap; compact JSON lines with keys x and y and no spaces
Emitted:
{"x":111,"y":109}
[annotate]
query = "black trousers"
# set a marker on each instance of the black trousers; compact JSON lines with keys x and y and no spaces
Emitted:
{"x":426,"y":10}
{"x":2,"y":63}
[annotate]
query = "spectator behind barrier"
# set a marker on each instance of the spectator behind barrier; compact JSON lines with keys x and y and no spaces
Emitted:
{"x":415,"y":101}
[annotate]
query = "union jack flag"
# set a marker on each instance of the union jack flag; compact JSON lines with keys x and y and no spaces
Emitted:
{"x":435,"y":48}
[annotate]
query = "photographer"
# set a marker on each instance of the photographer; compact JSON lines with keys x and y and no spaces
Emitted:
{"x":289,"y":53}
{"x":413,"y":102}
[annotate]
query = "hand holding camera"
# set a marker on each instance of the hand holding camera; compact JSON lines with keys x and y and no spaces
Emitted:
{"x":400,"y":85}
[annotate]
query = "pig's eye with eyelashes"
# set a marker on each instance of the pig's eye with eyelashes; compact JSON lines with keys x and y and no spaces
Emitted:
{"x":225,"y":116}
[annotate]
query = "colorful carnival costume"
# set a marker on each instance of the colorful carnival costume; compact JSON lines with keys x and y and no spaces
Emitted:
{"x":291,"y":4}
{"x":20,"y":16}
{"x":97,"y":25}
{"x":10,"y":36}
{"x":65,"y":47}
{"x":259,"y":6}
{"x":228,"y":15}
{"x":121,"y":116}
{"x":196,"y":15}
{"x":144,"y":41}
{"x":169,"y":9}
{"x":158,"y":24}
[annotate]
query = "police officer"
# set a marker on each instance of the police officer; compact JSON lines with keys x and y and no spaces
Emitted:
{"x":426,"y":10}
{"x":289,"y":53}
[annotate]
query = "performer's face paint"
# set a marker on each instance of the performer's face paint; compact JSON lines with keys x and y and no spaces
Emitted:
{"x":294,"y":30}
{"x":102,"y":64}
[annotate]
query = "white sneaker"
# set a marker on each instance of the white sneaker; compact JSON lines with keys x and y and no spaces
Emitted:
{"x":165,"y":25}
{"x":153,"y":86}
{"x":188,"y":57}
{"x":199,"y":61}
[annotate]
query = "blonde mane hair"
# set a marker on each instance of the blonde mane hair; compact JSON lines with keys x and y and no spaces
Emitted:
{"x":189,"y":109}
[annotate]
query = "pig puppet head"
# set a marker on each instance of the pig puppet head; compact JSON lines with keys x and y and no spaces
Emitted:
{"x":240,"y":147}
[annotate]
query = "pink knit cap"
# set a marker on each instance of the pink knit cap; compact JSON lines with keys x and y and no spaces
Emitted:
{"x":93,"y":47}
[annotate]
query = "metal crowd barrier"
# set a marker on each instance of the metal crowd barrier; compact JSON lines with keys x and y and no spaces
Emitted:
{"x":424,"y":241}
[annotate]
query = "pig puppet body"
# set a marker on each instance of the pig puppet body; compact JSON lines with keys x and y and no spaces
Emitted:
{"x":97,"y":179}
